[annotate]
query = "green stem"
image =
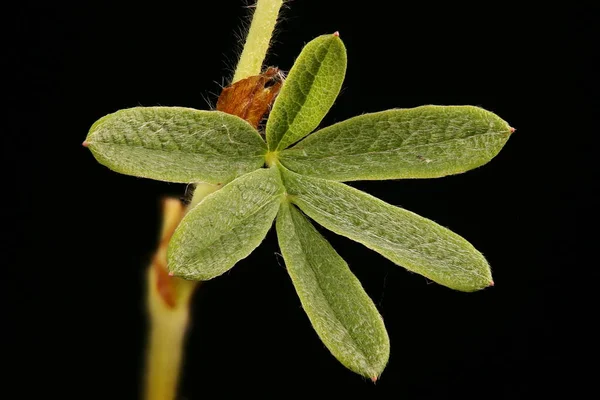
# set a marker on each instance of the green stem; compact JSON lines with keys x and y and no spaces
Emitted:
{"x":259,"y":37}
{"x":168,"y":302}
{"x":168,"y":327}
{"x":201,"y":190}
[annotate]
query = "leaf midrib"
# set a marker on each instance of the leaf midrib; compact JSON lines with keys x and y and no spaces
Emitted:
{"x":273,"y":198}
{"x":378,"y":249}
{"x":178,"y":151}
{"x":301,"y":104}
{"x":400,"y":149}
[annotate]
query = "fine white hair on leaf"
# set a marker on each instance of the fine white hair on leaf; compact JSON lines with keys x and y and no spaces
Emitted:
{"x":420,"y":142}
{"x":176,"y":144}
{"x":405,"y":238}
{"x":341,"y":312}
{"x":226,"y":226}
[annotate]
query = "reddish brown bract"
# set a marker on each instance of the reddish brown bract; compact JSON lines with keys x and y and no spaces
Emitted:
{"x":251,"y":98}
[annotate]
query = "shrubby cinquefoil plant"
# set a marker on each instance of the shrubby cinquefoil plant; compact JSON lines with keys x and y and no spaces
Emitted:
{"x":293,"y":175}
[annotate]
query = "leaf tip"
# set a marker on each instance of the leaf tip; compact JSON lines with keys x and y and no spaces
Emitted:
{"x":85,"y":143}
{"x":171,"y":273}
{"x":336,"y":34}
{"x":512,"y":130}
{"x":491,"y":283}
{"x":374,"y":379}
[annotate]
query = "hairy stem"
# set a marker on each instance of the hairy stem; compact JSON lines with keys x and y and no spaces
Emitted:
{"x":259,"y":37}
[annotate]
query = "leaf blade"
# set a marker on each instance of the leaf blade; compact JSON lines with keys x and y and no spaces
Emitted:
{"x":421,"y":142}
{"x":176,"y":144}
{"x":308,"y":93}
{"x":226,"y":226}
{"x":339,"y":309}
{"x":407,"y":239}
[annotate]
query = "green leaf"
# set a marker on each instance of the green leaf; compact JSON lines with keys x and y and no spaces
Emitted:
{"x":341,"y":312}
{"x":422,"y":142}
{"x":226,"y":226}
{"x":308,"y":92}
{"x":416,"y":243}
{"x":176,"y":144}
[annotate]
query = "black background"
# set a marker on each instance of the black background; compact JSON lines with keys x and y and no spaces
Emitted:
{"x":78,"y":237}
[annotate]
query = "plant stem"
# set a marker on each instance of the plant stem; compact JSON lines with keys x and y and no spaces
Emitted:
{"x":168,"y":302}
{"x":201,"y":190}
{"x":258,"y":40}
{"x":168,"y":297}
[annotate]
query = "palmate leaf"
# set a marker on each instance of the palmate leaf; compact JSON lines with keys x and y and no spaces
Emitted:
{"x":226,"y":226}
{"x":340,"y":311}
{"x":308,"y":93}
{"x":422,"y":142}
{"x":185,"y":145}
{"x":416,"y":243}
{"x":176,"y":144}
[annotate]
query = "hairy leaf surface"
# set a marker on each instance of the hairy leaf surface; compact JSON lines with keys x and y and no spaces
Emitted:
{"x":422,"y":142}
{"x":176,"y":144}
{"x":308,"y":93}
{"x":341,"y":312}
{"x":416,"y":243}
{"x":226,"y":226}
